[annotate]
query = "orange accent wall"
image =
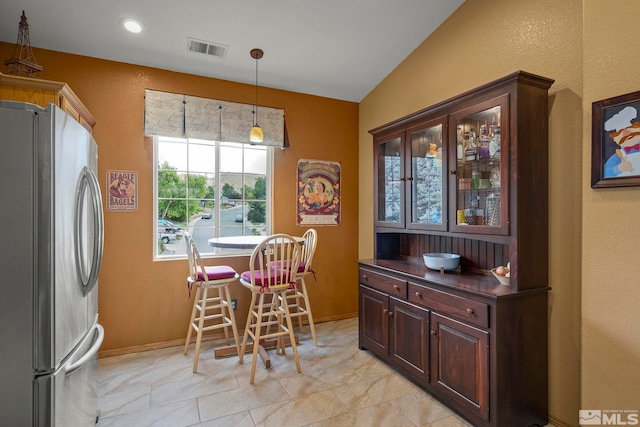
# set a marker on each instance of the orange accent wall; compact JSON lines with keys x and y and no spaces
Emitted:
{"x":143,"y":302}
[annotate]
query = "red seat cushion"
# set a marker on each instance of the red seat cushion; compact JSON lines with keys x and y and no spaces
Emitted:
{"x":301,"y":267}
{"x":273,"y":279}
{"x":217,"y":272}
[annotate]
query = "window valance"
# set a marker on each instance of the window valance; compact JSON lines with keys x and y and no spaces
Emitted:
{"x":181,"y":116}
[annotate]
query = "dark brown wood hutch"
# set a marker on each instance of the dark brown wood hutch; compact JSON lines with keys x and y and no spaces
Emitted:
{"x":469,"y":176}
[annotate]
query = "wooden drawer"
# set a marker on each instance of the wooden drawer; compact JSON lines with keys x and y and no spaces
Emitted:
{"x":470,"y":311}
{"x":381,"y":282}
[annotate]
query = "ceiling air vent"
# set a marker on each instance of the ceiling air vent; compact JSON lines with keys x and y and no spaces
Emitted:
{"x":207,"y":48}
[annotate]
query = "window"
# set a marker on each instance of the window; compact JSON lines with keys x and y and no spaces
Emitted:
{"x":209,"y":189}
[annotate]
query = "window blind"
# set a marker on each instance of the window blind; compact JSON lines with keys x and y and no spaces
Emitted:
{"x":185,"y":116}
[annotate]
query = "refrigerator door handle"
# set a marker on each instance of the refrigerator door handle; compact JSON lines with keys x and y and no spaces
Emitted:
{"x":88,"y":181}
{"x":70,"y":369}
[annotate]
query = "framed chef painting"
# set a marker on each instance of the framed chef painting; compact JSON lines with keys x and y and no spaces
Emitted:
{"x":318,"y":192}
{"x":615,"y":133}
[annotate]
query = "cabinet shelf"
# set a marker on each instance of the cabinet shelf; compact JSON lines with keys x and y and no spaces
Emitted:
{"x":471,"y":163}
{"x":486,"y":190}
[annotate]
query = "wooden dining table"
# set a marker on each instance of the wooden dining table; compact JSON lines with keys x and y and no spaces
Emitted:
{"x":246,"y":242}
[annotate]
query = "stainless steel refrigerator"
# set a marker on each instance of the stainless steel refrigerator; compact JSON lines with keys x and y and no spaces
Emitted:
{"x":51,"y":245}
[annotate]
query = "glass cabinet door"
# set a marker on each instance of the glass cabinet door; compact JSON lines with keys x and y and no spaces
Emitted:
{"x":390,"y":181}
{"x":425,"y":186}
{"x":479,"y":165}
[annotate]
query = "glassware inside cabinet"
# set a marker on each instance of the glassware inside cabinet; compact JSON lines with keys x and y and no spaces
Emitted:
{"x":427,"y":176}
{"x":478,"y":167}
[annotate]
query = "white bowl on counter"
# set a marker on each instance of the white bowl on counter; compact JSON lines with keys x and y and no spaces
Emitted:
{"x":439,"y":261}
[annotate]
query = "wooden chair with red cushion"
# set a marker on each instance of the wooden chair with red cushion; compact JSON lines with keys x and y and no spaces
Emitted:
{"x":298,"y":299}
{"x":273,"y":267}
{"x":210,"y":311}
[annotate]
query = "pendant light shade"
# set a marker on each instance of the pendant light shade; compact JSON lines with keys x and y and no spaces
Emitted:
{"x":256,"y":134}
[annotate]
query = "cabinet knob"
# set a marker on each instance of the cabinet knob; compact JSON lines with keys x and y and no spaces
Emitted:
{"x":395,"y":286}
{"x":470,"y":310}
{"x":364,"y":276}
{"x":433,"y":332}
{"x":418,"y":294}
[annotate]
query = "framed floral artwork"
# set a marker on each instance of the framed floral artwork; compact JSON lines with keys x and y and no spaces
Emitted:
{"x":318,"y":192}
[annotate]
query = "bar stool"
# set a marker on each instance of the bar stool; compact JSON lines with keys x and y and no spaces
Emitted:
{"x":216,"y":311}
{"x":267,"y":283}
{"x":298,"y":299}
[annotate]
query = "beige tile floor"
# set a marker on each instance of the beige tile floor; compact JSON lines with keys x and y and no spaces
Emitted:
{"x":340,"y":385}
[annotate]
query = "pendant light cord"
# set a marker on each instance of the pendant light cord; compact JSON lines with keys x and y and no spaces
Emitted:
{"x":184,"y":117}
{"x":220,"y":121}
{"x":256,"y":123}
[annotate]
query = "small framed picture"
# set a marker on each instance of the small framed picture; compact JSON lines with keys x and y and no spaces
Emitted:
{"x":318,"y":197}
{"x":122,"y":191}
{"x":615,"y":134}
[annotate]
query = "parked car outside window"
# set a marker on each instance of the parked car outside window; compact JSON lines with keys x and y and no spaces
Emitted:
{"x":168,"y":226}
{"x":207,"y":215}
{"x":167,"y":237}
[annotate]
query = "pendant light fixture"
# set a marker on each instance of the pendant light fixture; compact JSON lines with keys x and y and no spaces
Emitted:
{"x":256,"y":134}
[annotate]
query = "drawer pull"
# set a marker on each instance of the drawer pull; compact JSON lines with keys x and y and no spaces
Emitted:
{"x":418,"y":294}
{"x":364,"y":276}
{"x":433,"y":332}
{"x":395,"y":286}
{"x":470,"y":310}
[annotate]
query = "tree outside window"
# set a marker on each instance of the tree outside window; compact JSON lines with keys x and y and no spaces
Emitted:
{"x":189,"y":174}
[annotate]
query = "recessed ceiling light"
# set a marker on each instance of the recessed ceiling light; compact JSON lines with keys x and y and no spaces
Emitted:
{"x":131,"y":25}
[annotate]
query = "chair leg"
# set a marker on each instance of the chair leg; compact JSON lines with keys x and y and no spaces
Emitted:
{"x":232,"y":317}
{"x":224,"y":306}
{"x":296,"y":297}
{"x":256,"y":338}
{"x":280,"y":347}
{"x":203,"y":310}
{"x":247,"y":327}
{"x":193,"y":316}
{"x":292,"y":337}
{"x":307,"y":307}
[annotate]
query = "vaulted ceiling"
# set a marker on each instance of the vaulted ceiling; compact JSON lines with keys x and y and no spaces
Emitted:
{"x":333,"y":48}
